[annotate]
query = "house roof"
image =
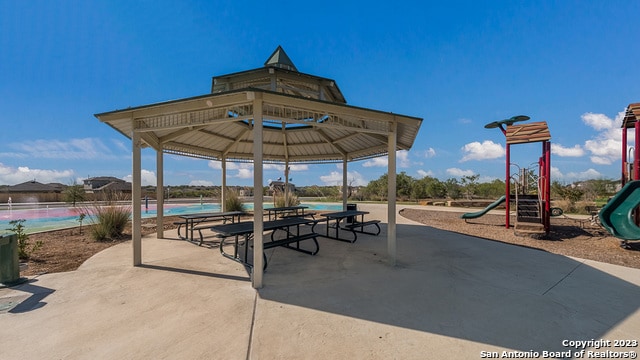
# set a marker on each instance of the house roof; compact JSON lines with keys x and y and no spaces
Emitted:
{"x":32,"y":186}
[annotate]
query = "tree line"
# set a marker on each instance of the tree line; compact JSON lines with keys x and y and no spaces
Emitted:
{"x":408,"y":188}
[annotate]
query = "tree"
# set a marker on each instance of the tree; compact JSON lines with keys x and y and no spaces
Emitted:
{"x":469,"y":184}
{"x":404,"y":185}
{"x":74,"y":193}
{"x":454,"y":190}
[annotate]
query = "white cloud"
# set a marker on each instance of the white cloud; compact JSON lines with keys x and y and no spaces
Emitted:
{"x":148,"y":178}
{"x":584,"y":175}
{"x":244,"y":173}
{"x":588,"y":174}
{"x":605,"y":147}
{"x":402,"y":160}
{"x":459,"y":172}
{"x":604,"y":151}
{"x":556,"y":173}
{"x":201,"y":183}
{"x":576,"y":151}
{"x":335,"y":178}
{"x":244,"y":170}
{"x":598,"y":121}
{"x":482,"y":151}
{"x":423,"y":173}
{"x":429,"y":153}
{"x":11,"y":176}
{"x":73,"y":149}
{"x":280,"y":167}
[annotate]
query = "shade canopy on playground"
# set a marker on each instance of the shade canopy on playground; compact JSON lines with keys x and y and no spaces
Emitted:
{"x":272,"y":114}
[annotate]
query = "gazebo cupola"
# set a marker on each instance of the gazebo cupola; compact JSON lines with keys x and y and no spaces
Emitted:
{"x":279,"y":74}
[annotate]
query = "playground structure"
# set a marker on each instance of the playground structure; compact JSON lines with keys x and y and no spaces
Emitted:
{"x":620,"y":216}
{"x":532,"y":207}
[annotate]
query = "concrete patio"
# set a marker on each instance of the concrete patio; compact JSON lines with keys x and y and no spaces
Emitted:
{"x":450,"y":296}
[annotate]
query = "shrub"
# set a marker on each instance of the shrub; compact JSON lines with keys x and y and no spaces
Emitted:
{"x":25,"y":249}
{"x":289,"y":199}
{"x":109,"y":219}
{"x":232,"y":202}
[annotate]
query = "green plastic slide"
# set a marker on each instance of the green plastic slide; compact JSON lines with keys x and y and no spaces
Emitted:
{"x":617,"y":215}
{"x":473,"y":215}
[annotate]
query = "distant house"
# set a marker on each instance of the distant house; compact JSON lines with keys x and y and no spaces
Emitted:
{"x":245,"y":191}
{"x":106,"y":184}
{"x":277,"y":187}
{"x":31,"y":192}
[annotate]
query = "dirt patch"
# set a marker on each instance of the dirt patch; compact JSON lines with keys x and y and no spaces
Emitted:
{"x":66,"y":250}
{"x":570,"y":237}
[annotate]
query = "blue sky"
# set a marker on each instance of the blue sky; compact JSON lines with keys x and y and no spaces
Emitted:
{"x":457,"y":64}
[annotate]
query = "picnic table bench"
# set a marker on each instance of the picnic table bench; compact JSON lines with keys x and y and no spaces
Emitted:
{"x":334,"y":221}
{"x":289,"y":226}
{"x":192,"y":222}
{"x":275,"y":212}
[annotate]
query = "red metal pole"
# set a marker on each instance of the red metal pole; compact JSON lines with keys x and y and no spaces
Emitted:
{"x":624,"y":156}
{"x":547,"y":190}
{"x":636,"y":153}
{"x":507,"y":187}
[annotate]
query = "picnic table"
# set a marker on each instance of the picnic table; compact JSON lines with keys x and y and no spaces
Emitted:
{"x":351,"y":224}
{"x":272,"y":213}
{"x":290,"y":227}
{"x":191,"y":222}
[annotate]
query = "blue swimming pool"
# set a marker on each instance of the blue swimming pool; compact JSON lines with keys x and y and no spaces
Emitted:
{"x":45,"y":219}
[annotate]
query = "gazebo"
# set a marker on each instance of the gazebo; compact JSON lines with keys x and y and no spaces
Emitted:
{"x":272,"y":114}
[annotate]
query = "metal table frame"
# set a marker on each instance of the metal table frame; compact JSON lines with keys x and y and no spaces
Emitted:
{"x":245,"y":229}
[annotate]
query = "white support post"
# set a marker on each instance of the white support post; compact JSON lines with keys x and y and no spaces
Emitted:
{"x":160,"y":194}
{"x":258,"y":225}
{"x":223,"y":188}
{"x":345,"y":191}
{"x":136,"y":200}
{"x":391,"y":197}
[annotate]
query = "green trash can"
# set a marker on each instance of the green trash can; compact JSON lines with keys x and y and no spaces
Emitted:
{"x":9,"y":262}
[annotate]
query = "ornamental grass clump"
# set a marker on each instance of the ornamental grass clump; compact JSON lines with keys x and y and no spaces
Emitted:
{"x":232,"y":202}
{"x":286,"y":200}
{"x":109,"y":219}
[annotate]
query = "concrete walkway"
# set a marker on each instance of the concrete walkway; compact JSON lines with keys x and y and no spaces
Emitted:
{"x":450,"y":297}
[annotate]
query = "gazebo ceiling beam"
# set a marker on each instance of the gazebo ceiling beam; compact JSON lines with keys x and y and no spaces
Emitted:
{"x":178,"y":133}
{"x":236,"y":141}
{"x":328,"y":124}
{"x":330,"y":142}
{"x":151,"y":139}
{"x":192,"y":150}
{"x":346,"y":137}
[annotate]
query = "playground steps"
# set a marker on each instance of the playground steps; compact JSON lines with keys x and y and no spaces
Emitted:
{"x":528,"y":209}
{"x":528,"y":228}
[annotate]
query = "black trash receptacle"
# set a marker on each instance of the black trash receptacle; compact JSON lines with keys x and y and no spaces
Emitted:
{"x":351,"y":219}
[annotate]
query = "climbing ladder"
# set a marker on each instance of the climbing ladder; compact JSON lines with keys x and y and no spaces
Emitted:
{"x":529,"y":218}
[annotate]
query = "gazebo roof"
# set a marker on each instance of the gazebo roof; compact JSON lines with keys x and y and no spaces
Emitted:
{"x":306,"y":120}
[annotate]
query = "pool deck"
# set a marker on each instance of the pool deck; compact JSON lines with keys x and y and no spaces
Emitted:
{"x":450,"y":296}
